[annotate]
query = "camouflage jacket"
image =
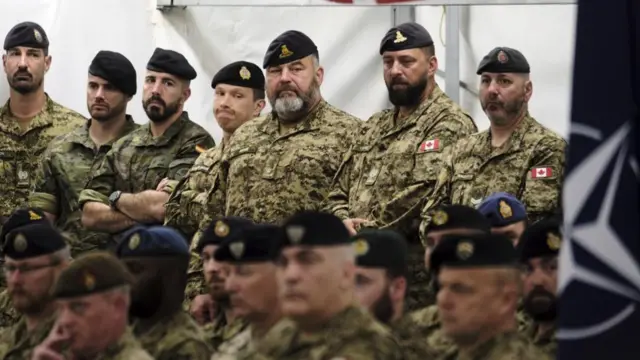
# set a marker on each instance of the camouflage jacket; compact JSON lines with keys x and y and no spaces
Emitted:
{"x":20,"y":343}
{"x":352,"y":334}
{"x":529,"y":166}
{"x":267,"y":176}
{"x":392,"y":169}
{"x":420,"y":336}
{"x":219,"y":331}
{"x":230,"y":349}
{"x":176,"y":337}
{"x":545,"y":341}
{"x":125,"y":349}
{"x":506,"y":346}
{"x":139,"y":161}
{"x":8,"y":314}
{"x":20,"y":151}
{"x":65,"y":169}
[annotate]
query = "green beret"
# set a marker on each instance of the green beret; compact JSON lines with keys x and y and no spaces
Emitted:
{"x":240,"y":73}
{"x":171,"y":62}
{"x":288,"y":47}
{"x":27,"y":34}
{"x":383,"y":248}
{"x":219,"y":230}
{"x":143,"y":241}
{"x":314,"y":228}
{"x":116,"y":69}
{"x":20,"y":218}
{"x":405,"y":36}
{"x":504,"y":60}
{"x":259,"y":243}
{"x":540,"y":239}
{"x":91,"y":273}
{"x":458,"y":217}
{"x":35,"y":239}
{"x":470,"y":251}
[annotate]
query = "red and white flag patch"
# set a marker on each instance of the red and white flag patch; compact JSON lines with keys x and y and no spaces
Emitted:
{"x":430,"y":145}
{"x":541,"y":172}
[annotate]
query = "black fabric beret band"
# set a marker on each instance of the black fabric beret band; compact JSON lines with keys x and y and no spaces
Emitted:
{"x":288,"y":47}
{"x":405,"y":36}
{"x":28,"y":34}
{"x":171,"y":62}
{"x":240,"y":73}
{"x":116,"y":69}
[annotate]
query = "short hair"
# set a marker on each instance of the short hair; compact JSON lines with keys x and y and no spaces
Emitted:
{"x":429,"y":50}
{"x":258,"y":94}
{"x":316,"y":60}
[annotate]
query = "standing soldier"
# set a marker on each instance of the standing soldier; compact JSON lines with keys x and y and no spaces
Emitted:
{"x":516,"y":154}
{"x":30,"y":120}
{"x":386,"y":177}
{"x":134,"y":181}
{"x":70,"y":160}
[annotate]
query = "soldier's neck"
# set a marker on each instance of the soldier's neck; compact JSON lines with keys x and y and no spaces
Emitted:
{"x":501,"y":134}
{"x":158,"y":130}
{"x":34,"y":320}
{"x":24,"y":107}
{"x":405,"y":111}
{"x":104,"y":132}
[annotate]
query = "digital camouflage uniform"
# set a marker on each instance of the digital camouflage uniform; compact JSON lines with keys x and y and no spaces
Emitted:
{"x":8,"y":314}
{"x":177,"y":337}
{"x":20,"y":151}
{"x":505,"y":346}
{"x":392,"y":169}
{"x":352,"y":334}
{"x":529,"y":166}
{"x":17,"y":344}
{"x":545,"y":341}
{"x":66,"y":167}
{"x":420,"y":336}
{"x":219,"y":331}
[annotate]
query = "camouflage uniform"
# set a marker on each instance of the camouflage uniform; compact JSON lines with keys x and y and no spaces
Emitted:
{"x":176,"y":337}
{"x":420,"y":336}
{"x":138,"y":161}
{"x":268,"y":176}
{"x":8,"y":314}
{"x":66,"y":167}
{"x":125,"y":349}
{"x":219,"y":331}
{"x":545,"y":341}
{"x":20,"y":151}
{"x":351,"y":334}
{"x":19,"y":343}
{"x":475,"y":170}
{"x":230,"y":349}
{"x":502,"y":347}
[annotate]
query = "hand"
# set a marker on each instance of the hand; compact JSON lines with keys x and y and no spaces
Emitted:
{"x":52,"y":347}
{"x":353,"y":225}
{"x":162,"y":184}
{"x":202,"y":308}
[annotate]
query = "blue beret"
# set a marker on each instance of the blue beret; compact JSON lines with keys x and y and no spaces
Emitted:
{"x":223,"y":229}
{"x":116,"y":69}
{"x":314,"y":228}
{"x":152,"y":241}
{"x":502,"y":209}
{"x":259,"y":243}
{"x":240,"y":73}
{"x":171,"y":62}
{"x":409,"y":35}
{"x":289,"y":46}
{"x":35,"y":239}
{"x":504,"y":60}
{"x":28,"y":34}
{"x":471,"y":251}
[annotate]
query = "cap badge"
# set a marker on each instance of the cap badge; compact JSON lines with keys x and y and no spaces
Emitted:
{"x":221,"y":229}
{"x":464,"y":250}
{"x":134,"y":241}
{"x":399,"y":37}
{"x":285,"y":52}
{"x":20,"y":243}
{"x":440,"y":218}
{"x":361,"y":246}
{"x":33,"y":216}
{"x":295,"y":233}
{"x":37,"y":35}
{"x":502,"y":57}
{"x":237,"y":249}
{"x":89,"y":281}
{"x":505,"y":210}
{"x":245,"y":74}
{"x":553,"y":241}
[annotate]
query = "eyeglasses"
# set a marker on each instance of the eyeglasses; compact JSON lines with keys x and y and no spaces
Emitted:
{"x":24,"y":269}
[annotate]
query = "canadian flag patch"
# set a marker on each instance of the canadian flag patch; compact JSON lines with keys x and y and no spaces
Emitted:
{"x":430,"y":145}
{"x":541,"y":172}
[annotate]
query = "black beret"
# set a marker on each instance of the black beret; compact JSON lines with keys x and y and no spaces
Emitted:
{"x":219,"y":230}
{"x":504,"y":60}
{"x":478,"y":250}
{"x":171,"y":62}
{"x":458,"y":217}
{"x":152,"y":241}
{"x":314,"y":228}
{"x":382,"y":248}
{"x":91,"y":273}
{"x":502,"y":209}
{"x":405,"y":36}
{"x":543,"y":238}
{"x":259,"y":243}
{"x":20,"y":218}
{"x":28,"y":34}
{"x":35,"y":239}
{"x":240,"y":73}
{"x":289,"y":46}
{"x":116,"y":69}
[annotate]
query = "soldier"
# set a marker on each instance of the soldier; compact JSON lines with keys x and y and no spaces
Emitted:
{"x":252,"y":287}
{"x":93,"y":290}
{"x":29,"y":120}
{"x":479,"y":288}
{"x":506,"y":214}
{"x":239,"y":97}
{"x":34,"y":256}
{"x":316,"y":278}
{"x":381,"y":273}
{"x":137,"y":175}
{"x":215,"y":309}
{"x":516,"y":154}
{"x":284,"y":162}
{"x":70,"y":159}
{"x":158,"y":258}
{"x":539,"y":249}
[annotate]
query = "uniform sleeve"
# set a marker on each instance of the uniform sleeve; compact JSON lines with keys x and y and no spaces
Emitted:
{"x":103,"y":182}
{"x":187,"y":155}
{"x":195,"y":274}
{"x":337,"y":201}
{"x":188,"y":350}
{"x":45,"y":195}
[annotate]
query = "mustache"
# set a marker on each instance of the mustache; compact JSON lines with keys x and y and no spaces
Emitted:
{"x":22,"y":73}
{"x":399,"y":81}
{"x":156,"y":98}
{"x":286,"y":88}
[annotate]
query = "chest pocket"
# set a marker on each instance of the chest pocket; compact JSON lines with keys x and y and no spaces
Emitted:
{"x":155,"y":172}
{"x":462,"y":186}
{"x":242,"y":163}
{"x":8,"y":171}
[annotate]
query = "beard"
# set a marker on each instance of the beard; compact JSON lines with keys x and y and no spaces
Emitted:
{"x":292,"y":107}
{"x":409,"y":96}
{"x":541,"y":305}
{"x":23,"y":82}
{"x":160,"y":111}
{"x":511,"y":108}
{"x":382,"y":309}
{"x":110,"y":113}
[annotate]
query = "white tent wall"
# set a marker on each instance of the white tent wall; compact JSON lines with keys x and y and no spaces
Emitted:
{"x":347,"y":38}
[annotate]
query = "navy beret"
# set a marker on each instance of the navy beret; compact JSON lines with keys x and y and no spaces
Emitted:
{"x":35,"y":239}
{"x":314,"y":228}
{"x":504,"y":60}
{"x":382,"y":248}
{"x":469,"y":251}
{"x":543,"y":238}
{"x":240,"y":73}
{"x":171,"y":62}
{"x":28,"y":34}
{"x":20,"y":218}
{"x":405,"y":36}
{"x":457,"y":217}
{"x":502,"y":209}
{"x":116,"y":69}
{"x":152,"y":241}
{"x":219,"y":230}
{"x":290,"y":46}
{"x":259,"y":243}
